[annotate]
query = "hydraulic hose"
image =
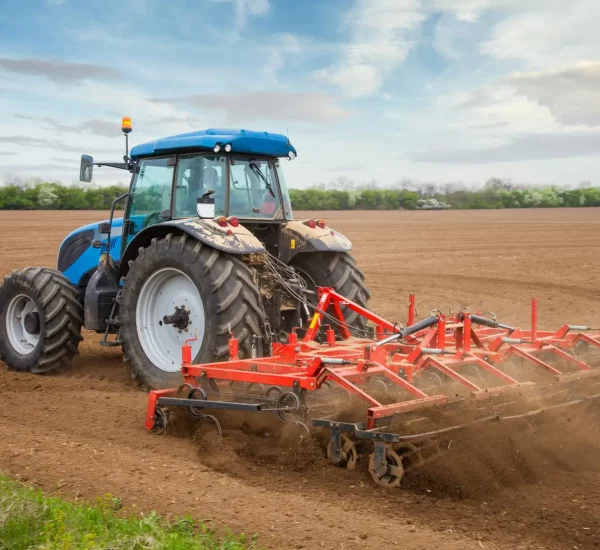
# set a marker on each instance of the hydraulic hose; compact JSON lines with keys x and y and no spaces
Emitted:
{"x":486,"y":322}
{"x":403,"y":333}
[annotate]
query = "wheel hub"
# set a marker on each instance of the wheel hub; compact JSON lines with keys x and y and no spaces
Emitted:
{"x":169,"y":311}
{"x":180,"y":319}
{"x":31,"y":323}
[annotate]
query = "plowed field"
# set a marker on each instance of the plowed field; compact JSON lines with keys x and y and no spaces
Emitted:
{"x":80,"y":433}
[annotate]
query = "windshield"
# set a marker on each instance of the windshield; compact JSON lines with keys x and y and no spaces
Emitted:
{"x":253,"y":192}
{"x":197,"y":175}
{"x":253,"y":186}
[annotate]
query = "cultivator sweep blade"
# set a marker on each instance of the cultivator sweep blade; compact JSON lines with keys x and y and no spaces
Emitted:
{"x":400,"y":389}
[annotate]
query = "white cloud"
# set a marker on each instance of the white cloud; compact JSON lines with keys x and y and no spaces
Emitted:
{"x":533,"y":146}
{"x":97,"y":126}
{"x":548,"y":100}
{"x":382,"y":33}
{"x":543,"y":33}
{"x":353,"y":81}
{"x":498,"y":103}
{"x":280,"y":50}
{"x":52,"y":143}
{"x":58,"y":70}
{"x":379,"y":41}
{"x":266,"y":105}
{"x":467,"y":16}
{"x":451,"y":37}
{"x":571,"y":94}
{"x":246,"y":8}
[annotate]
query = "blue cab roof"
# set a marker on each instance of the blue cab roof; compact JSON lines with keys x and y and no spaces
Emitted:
{"x":242,"y":141}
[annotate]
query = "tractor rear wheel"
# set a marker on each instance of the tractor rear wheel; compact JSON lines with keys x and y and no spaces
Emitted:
{"x":40,"y":320}
{"x":177,"y":289}
{"x":339,"y":271}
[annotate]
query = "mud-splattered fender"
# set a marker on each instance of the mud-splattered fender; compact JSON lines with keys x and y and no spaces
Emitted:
{"x":297,"y":238}
{"x":233,"y":240}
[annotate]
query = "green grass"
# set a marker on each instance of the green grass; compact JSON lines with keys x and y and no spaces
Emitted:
{"x":29,"y":519}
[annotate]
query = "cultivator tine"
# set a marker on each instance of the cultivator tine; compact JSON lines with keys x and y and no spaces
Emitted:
{"x":587,"y":339}
{"x":552,"y":408}
{"x":496,"y":372}
{"x":513,"y":350}
{"x":564,"y":355}
{"x":580,"y":375}
{"x":335,"y":444}
{"x":452,"y":374}
{"x":383,"y":382}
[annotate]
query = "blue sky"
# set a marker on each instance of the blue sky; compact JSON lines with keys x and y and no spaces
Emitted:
{"x":431,"y":90}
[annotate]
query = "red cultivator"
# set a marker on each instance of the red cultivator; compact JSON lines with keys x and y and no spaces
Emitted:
{"x":440,"y":363}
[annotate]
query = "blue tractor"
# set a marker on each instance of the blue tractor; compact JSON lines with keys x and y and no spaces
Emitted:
{"x":207,"y":247}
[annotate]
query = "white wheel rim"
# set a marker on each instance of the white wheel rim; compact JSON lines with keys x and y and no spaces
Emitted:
{"x":21,"y":341}
{"x":165,"y":290}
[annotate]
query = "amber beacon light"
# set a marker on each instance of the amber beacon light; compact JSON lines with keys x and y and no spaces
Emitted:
{"x":126,"y":125}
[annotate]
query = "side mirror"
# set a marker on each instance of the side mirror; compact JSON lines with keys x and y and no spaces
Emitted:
{"x":86,"y":169}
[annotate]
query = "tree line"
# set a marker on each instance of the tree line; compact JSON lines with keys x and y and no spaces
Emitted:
{"x":54,"y":196}
{"x":496,"y":193}
{"x":460,"y":199}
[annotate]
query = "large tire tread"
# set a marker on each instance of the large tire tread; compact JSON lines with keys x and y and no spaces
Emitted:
{"x":339,"y":271}
{"x":61,"y":316}
{"x":233,"y":302}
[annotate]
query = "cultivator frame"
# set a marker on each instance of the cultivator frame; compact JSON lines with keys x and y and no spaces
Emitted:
{"x":394,"y":361}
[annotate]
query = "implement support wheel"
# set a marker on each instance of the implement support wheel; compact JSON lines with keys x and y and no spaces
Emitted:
{"x":348,"y":453}
{"x":385,"y":466}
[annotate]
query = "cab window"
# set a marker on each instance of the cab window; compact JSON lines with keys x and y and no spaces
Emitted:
{"x":150,"y":192}
{"x":196,"y":176}
{"x":253,"y":191}
{"x":285,"y":195}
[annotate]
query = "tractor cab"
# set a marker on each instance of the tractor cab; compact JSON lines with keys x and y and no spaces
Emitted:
{"x":207,"y":185}
{"x":214,"y":174}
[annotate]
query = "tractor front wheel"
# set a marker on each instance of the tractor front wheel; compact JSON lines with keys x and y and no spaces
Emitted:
{"x":40,"y":320}
{"x":179,"y":289}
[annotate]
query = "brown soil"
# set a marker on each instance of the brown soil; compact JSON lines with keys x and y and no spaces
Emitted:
{"x":533,"y":485}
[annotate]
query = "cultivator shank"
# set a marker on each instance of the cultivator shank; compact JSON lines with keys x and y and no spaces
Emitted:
{"x":374,"y":387}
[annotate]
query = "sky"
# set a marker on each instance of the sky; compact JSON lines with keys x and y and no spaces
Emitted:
{"x":371,"y":90}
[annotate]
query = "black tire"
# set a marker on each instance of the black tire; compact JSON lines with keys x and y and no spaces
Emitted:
{"x":339,"y":271}
{"x":60,"y":319}
{"x":230,"y":297}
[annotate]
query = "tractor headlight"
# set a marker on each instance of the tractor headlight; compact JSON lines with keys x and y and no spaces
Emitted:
{"x":217,"y":148}
{"x":291,"y":155}
{"x":227,"y":148}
